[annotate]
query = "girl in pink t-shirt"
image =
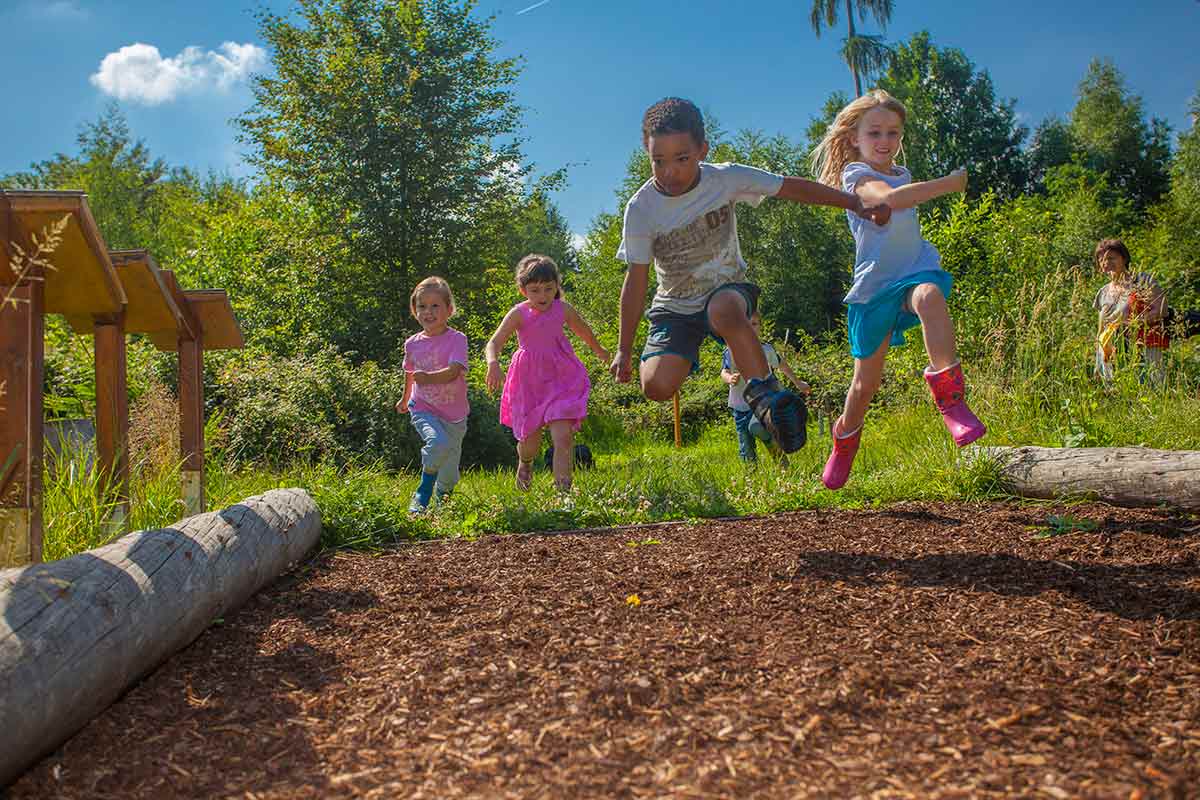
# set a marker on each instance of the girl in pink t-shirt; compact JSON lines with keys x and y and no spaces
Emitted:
{"x":547,"y":385}
{"x":435,"y":390}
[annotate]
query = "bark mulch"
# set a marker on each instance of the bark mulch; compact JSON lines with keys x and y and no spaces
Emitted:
{"x":920,"y":650}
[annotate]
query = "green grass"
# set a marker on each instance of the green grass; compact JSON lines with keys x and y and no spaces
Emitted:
{"x":906,"y":455}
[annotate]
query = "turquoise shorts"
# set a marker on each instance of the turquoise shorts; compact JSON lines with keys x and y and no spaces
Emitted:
{"x":869,"y":323}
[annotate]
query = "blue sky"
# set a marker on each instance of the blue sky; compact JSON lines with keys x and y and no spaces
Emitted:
{"x":591,"y":68}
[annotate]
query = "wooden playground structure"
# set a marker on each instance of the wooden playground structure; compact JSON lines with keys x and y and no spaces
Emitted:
{"x":110,"y":295}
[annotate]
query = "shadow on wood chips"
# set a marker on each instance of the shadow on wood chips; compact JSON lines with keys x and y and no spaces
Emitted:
{"x":924,"y":650}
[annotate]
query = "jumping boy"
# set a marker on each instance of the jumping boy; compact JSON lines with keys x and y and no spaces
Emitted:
{"x":683,"y":219}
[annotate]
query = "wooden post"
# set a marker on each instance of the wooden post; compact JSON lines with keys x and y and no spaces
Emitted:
{"x":22,"y":350}
{"x":191,"y":422}
{"x":678,"y":437}
{"x":112,"y":412}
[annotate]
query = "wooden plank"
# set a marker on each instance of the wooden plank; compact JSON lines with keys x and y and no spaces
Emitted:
{"x":22,"y":352}
{"x":152,"y":306}
{"x":220,"y":326}
{"x":76,"y":633}
{"x":112,"y":410}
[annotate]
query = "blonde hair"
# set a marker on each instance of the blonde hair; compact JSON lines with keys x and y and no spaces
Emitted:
{"x":835,"y":151}
{"x":432,"y":284}
{"x":537,"y":268}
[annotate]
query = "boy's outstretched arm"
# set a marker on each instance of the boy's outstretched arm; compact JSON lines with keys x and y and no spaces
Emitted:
{"x":802,"y":190}
{"x":874,"y":191}
{"x":633,"y":297}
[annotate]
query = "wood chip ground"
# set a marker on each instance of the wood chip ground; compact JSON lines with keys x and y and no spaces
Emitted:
{"x":918,"y":651}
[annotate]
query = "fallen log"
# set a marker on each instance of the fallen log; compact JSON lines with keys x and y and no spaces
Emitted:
{"x":76,"y":633}
{"x":1123,"y":476}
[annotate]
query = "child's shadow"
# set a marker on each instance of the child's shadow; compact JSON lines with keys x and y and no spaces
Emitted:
{"x":1135,"y":592}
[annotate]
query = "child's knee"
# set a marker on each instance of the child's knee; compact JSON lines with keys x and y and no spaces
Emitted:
{"x":926,"y":297}
{"x":658,"y":387}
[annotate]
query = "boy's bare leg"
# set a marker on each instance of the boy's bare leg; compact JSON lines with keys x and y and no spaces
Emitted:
{"x":927,"y":302}
{"x":663,"y":375}
{"x":868,"y":372}
{"x":728,"y":316}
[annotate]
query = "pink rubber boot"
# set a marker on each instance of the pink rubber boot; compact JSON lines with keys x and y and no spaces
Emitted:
{"x":949,"y":393}
{"x":841,"y":459}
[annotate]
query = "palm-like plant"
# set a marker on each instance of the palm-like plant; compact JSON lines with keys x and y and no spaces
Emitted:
{"x":864,"y":54}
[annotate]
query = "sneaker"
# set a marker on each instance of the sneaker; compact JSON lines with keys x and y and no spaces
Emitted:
{"x":781,"y":412}
{"x":415,"y":506}
{"x":841,"y":458}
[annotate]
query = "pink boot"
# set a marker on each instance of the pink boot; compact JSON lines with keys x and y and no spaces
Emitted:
{"x":949,"y":394}
{"x":837,"y":468}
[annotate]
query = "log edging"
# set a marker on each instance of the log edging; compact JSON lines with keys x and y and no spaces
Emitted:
{"x":1124,"y":476}
{"x":76,"y":633}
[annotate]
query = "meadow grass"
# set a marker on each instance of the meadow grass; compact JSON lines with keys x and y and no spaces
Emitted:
{"x":906,"y":455}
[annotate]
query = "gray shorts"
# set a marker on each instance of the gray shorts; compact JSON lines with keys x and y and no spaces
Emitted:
{"x":672,"y":333}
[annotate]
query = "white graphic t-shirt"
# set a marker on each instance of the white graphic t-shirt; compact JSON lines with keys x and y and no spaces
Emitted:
{"x":692,"y":239}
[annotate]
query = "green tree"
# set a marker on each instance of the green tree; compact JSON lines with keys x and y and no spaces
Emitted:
{"x":1111,"y":135}
{"x":138,"y":201}
{"x":395,"y":120}
{"x":954,"y":119}
{"x":864,"y":54}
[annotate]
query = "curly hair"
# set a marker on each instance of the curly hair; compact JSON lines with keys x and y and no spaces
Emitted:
{"x":435,"y":285}
{"x":537,"y":268}
{"x":835,"y":151}
{"x":673,"y":115}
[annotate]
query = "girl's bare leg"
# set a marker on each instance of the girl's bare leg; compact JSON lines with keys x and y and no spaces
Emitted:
{"x":927,"y":302}
{"x":527,"y":451}
{"x":563,"y":436}
{"x":868,"y":372}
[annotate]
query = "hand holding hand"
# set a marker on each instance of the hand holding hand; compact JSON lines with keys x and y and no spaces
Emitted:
{"x":495,"y":378}
{"x":879,"y":214}
{"x":621,"y":367}
{"x":734,"y":377}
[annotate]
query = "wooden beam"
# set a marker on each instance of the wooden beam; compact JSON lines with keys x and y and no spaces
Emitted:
{"x":191,"y":400}
{"x":22,"y":352}
{"x":112,"y":412}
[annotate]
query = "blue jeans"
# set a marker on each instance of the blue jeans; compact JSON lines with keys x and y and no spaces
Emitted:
{"x":443,"y":447}
{"x":747,"y":447}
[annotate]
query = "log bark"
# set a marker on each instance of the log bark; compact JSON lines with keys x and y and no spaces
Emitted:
{"x":76,"y":633}
{"x":1123,"y":476}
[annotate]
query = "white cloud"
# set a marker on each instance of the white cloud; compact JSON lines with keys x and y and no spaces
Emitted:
{"x":139,"y":73}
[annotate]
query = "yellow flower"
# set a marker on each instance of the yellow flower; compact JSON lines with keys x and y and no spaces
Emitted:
{"x":633,"y":600}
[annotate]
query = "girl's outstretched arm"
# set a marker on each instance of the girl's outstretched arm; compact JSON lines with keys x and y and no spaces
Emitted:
{"x":508,"y":326}
{"x":580,"y":328}
{"x":873,"y":190}
{"x":799,"y":384}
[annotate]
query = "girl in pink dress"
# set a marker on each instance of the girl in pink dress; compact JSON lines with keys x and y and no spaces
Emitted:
{"x":547,"y":385}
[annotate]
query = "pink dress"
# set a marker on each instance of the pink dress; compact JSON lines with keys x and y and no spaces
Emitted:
{"x":546,"y":381}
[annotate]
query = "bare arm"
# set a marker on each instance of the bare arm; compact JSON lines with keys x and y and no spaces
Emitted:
{"x":633,"y":297}
{"x":402,"y":405}
{"x":801,"y":190}
{"x":874,"y":190}
{"x":791,"y":376}
{"x":580,"y":328}
{"x":491,"y":352}
{"x":438,"y":375}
